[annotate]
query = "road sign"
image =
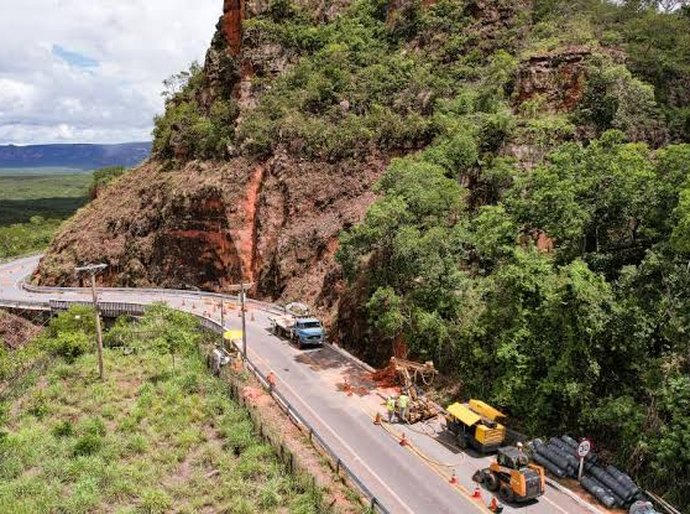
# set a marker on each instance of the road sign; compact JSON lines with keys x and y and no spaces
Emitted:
{"x":584,"y":448}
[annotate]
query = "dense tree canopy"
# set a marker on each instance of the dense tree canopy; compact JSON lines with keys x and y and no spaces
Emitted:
{"x":576,"y":335}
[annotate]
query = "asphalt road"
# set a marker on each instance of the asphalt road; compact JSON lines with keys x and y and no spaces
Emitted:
{"x":411,"y":479}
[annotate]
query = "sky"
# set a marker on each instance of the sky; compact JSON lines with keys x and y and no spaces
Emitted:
{"x":91,"y":71}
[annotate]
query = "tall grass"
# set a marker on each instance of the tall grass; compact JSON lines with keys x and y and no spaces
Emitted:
{"x":147,"y":439}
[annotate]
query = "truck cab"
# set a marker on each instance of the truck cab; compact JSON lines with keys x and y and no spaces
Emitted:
{"x":308,"y":331}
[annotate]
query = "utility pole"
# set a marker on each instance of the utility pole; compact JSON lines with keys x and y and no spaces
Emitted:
{"x":93,"y":270}
{"x":222,"y":322}
{"x":244,"y":321}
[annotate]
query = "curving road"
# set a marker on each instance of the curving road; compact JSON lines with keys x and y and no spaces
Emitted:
{"x":410,"y":479}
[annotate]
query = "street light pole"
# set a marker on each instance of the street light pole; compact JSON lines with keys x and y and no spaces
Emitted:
{"x":93,"y":269}
{"x":244,"y":322}
{"x":222,"y":322}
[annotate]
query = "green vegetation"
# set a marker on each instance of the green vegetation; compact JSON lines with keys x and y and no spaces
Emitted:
{"x":34,"y":205}
{"x":149,"y":438}
{"x":373,"y":80}
{"x":589,"y":337}
{"x":49,"y":196}
{"x":534,"y":246}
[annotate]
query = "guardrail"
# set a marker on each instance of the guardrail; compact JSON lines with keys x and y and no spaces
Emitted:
{"x":113,"y":309}
{"x":340,"y":467}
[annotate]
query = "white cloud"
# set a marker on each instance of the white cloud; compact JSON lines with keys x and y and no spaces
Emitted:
{"x":74,"y":70}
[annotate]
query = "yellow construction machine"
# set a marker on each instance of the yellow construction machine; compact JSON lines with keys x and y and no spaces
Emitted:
{"x":513,"y":476}
{"x":475,"y":425}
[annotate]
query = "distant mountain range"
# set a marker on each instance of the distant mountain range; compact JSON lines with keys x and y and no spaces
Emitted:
{"x":78,"y":156}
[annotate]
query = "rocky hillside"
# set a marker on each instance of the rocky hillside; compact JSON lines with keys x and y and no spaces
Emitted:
{"x":272,"y":147}
{"x":15,"y":331}
{"x":497,"y":185}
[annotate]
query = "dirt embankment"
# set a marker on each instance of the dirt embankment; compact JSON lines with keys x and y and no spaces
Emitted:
{"x":15,"y":331}
{"x":210,"y":224}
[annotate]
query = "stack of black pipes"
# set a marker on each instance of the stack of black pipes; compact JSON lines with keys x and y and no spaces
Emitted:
{"x":609,"y":485}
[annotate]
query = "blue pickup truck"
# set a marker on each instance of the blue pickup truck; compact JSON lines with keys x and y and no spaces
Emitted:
{"x":303,"y":331}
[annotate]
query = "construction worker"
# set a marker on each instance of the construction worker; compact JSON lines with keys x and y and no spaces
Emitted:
{"x":523,"y":460}
{"x":403,"y":406}
{"x":390,"y":407}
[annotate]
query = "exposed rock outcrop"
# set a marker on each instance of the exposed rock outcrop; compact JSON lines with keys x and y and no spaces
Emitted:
{"x":557,"y":77}
{"x":209,"y":224}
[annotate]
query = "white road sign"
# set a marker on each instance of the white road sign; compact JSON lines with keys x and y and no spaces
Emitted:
{"x":584,"y":448}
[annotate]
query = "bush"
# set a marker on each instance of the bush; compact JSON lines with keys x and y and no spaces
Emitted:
{"x":154,"y":501}
{"x":63,"y":429}
{"x":38,"y":404}
{"x":88,"y":444}
{"x":78,"y":318}
{"x":69,"y":345}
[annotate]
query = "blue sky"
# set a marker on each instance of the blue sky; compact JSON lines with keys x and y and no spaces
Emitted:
{"x":74,"y":58}
{"x":79,"y":71}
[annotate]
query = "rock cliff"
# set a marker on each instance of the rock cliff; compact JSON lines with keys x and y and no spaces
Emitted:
{"x":207,"y":215}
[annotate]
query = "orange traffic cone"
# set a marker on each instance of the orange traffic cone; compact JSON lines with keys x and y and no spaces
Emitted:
{"x":494,"y":506}
{"x":453,"y":479}
{"x":477,"y":493}
{"x":377,"y":419}
{"x":403,"y":440}
{"x":347,"y":388}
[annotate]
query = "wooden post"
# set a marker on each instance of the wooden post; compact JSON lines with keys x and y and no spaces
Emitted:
{"x":93,"y":269}
{"x":99,"y":333}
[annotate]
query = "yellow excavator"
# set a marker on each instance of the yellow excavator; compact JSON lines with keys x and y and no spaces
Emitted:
{"x":513,"y":476}
{"x":475,"y":425}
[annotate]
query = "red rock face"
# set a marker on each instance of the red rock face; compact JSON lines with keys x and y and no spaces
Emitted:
{"x":559,"y":78}
{"x":208,"y":225}
{"x":233,"y":16}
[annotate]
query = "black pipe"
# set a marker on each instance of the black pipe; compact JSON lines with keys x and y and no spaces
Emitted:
{"x":552,"y":456}
{"x":623,"y":478}
{"x":567,"y":454}
{"x":616,"y":487}
{"x":598,"y":491}
{"x":553,"y":468}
